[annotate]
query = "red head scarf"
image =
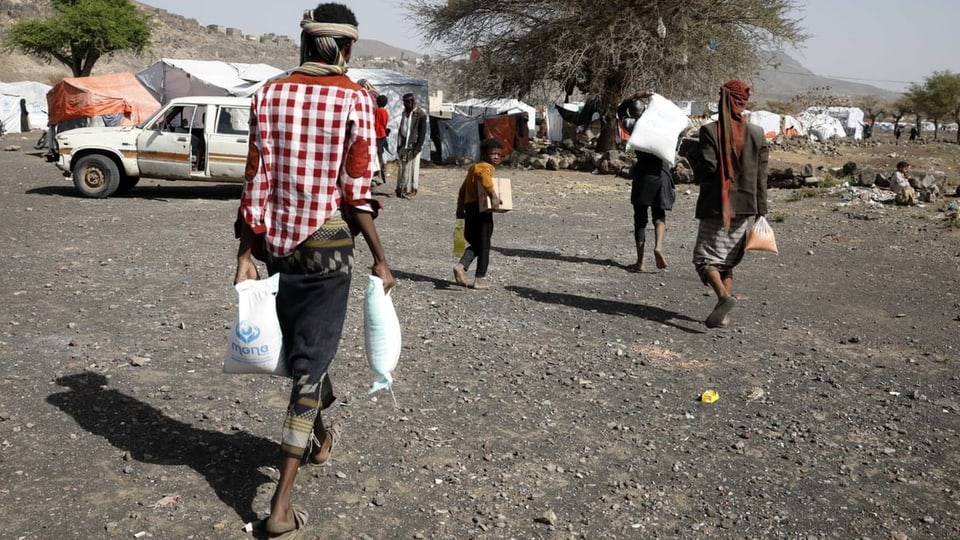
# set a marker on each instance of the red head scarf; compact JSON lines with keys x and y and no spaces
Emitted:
{"x":731,"y":130}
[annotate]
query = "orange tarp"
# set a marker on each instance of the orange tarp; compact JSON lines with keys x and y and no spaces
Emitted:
{"x":86,"y":97}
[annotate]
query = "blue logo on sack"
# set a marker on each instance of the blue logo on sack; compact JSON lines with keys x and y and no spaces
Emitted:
{"x":247,"y":332}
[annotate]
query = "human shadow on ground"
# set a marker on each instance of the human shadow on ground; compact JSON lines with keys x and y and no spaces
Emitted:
{"x":610,"y":307}
{"x":550,"y":255}
{"x":161,"y":191}
{"x":229,"y":462}
{"x":438,"y":283}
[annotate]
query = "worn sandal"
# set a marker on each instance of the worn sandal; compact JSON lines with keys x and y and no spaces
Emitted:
{"x":335,"y":431}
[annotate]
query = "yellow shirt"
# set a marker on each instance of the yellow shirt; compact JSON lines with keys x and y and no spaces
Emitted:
{"x":478,"y":172}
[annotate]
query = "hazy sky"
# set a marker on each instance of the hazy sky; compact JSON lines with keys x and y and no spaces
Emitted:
{"x":886,"y":43}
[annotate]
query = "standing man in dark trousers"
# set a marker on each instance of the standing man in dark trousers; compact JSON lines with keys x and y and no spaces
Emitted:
{"x":413,"y":131}
{"x":306,"y":193}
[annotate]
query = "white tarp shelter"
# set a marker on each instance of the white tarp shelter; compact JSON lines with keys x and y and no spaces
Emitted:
{"x":10,"y":108}
{"x":850,"y":117}
{"x":394,"y":85}
{"x":497,"y":107}
{"x":35,"y":94}
{"x":169,"y":78}
{"x":792,"y":127}
{"x":768,"y":121}
{"x":822,"y":126}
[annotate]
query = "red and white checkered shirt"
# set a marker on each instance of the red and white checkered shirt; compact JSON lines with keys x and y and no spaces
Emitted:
{"x":306,"y":131}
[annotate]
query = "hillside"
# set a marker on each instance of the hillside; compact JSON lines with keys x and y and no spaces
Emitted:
{"x":788,"y":78}
{"x":179,"y":37}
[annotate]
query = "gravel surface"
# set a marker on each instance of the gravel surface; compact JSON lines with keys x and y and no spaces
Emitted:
{"x":561,"y":403}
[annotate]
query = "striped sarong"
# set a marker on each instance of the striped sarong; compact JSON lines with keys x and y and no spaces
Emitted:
{"x":311,"y":308}
{"x":719,"y":250}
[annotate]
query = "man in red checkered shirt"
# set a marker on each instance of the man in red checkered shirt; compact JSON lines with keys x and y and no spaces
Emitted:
{"x":306,"y":194}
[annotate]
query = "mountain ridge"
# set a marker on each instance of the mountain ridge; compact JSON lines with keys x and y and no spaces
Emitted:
{"x":176,"y":36}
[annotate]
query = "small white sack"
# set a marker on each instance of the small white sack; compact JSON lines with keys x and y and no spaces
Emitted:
{"x":254,"y":342}
{"x":381,"y":330}
{"x":658,"y":129}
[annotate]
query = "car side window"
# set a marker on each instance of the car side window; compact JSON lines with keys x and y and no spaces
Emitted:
{"x":233,"y":121}
{"x":178,"y":119}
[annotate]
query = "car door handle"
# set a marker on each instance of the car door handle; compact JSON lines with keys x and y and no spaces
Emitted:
{"x":241,"y":140}
{"x":181,"y":139}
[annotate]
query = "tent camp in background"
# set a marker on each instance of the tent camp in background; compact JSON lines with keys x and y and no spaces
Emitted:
{"x":10,"y":108}
{"x":769,"y":122}
{"x":821,"y":126}
{"x":509,"y":121}
{"x":851,"y":118}
{"x":116,"y":99}
{"x":456,"y":139}
{"x":36,"y":95}
{"x":497,"y":107}
{"x":168,"y":78}
{"x":394,"y":85}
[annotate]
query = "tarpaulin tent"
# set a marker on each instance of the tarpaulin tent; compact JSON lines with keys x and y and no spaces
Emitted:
{"x":768,"y":121}
{"x":169,"y":78}
{"x":851,"y":118}
{"x":792,"y":127}
{"x":394,"y":85}
{"x":822,"y":126}
{"x":10,"y":108}
{"x":457,"y":138}
{"x":504,"y":129}
{"x":36,"y":95}
{"x":497,"y":107}
{"x":116,"y":94}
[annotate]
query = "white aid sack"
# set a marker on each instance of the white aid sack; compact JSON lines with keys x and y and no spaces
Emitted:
{"x":658,"y":129}
{"x":254,"y":342}
{"x":381,"y":330}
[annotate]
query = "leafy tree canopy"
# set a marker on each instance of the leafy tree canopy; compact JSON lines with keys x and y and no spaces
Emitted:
{"x":938,"y":97}
{"x":81,"y":31}
{"x":607,"y":49}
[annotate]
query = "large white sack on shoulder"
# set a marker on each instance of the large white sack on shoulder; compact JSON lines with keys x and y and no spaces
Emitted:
{"x":658,"y":129}
{"x":381,"y":330}
{"x":254,"y":342}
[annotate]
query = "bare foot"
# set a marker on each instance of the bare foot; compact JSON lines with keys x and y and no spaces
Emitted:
{"x":277,"y":524}
{"x":637,"y":268}
{"x":661,"y":260}
{"x":459,"y":276}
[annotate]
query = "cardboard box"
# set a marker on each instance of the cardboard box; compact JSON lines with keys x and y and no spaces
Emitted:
{"x":503,"y":189}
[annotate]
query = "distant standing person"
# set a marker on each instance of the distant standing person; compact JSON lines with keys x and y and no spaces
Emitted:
{"x":478,"y":226}
{"x":914,"y":133}
{"x":382,"y":117}
{"x":732,"y":174}
{"x":897,"y":131}
{"x":24,"y":117}
{"x":413,"y":130}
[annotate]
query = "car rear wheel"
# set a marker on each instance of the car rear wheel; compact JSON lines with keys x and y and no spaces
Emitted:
{"x":96,"y":176}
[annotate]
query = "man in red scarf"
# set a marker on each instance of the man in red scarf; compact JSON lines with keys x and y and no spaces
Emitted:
{"x":732,"y":174}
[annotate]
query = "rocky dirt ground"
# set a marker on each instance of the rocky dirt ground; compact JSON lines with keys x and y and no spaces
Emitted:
{"x":562,"y":403}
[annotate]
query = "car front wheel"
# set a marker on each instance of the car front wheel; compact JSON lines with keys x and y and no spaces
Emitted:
{"x":96,"y":176}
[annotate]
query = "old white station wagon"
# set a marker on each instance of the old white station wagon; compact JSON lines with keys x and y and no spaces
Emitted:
{"x":200,"y":138}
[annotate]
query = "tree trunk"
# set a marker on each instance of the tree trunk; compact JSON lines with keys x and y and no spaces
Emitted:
{"x":609,"y":138}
